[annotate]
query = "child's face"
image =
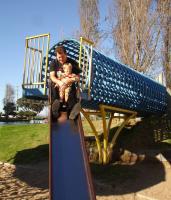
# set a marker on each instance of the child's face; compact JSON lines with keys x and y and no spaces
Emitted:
{"x":67,"y":69}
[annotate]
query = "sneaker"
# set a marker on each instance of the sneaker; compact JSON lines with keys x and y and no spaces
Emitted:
{"x":75,"y":111}
{"x":55,"y":108}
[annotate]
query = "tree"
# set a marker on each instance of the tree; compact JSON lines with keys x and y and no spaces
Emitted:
{"x":136,"y":32}
{"x":89,"y":20}
{"x":9,"y":94}
{"x":9,"y":109}
{"x":9,"y":105}
{"x":31,"y":105}
{"x":165,"y":10}
{"x":26,"y":114}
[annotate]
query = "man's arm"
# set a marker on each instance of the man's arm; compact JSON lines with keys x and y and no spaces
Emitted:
{"x":75,"y":78}
{"x":72,"y":79}
{"x":55,"y":80}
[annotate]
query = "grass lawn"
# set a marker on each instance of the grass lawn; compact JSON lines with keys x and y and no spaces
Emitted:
{"x":19,"y":143}
{"x":22,"y":144}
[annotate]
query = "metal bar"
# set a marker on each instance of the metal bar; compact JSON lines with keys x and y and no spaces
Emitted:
{"x":119,"y":130}
{"x":108,"y":148}
{"x":33,"y":72}
{"x":39,"y":68}
{"x":37,"y":36}
{"x":34,"y":49}
{"x":86,"y":64}
{"x":109,"y":123}
{"x":32,"y":65}
{"x":118,"y":109}
{"x":79,"y":64}
{"x":87,"y":40}
{"x":24,"y":73}
{"x":41,"y":57}
{"x":90,"y":73}
{"x":86,"y":115}
{"x":36,"y":62}
{"x":105,"y":140}
{"x":81,"y":41}
{"x":93,"y":113}
{"x":28,"y":66}
{"x":40,"y":63}
{"x":46,"y":67}
{"x":85,"y":67}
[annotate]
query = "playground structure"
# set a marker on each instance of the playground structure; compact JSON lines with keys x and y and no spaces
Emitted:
{"x":106,"y":86}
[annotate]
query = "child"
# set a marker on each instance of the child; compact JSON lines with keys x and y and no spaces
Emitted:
{"x":67,"y":79}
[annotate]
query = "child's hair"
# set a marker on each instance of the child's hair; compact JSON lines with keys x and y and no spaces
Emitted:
{"x":67,"y":65}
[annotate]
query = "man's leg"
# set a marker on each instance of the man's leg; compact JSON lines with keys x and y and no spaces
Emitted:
{"x":55,"y":108}
{"x":55,"y":101}
{"x":74,"y":105}
{"x":75,"y":111}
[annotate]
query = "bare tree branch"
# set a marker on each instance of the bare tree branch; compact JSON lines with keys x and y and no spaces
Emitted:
{"x":89,"y":20}
{"x":136,"y":32}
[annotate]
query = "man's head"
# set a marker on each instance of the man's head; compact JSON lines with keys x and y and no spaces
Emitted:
{"x":67,"y":67}
{"x":61,"y":54}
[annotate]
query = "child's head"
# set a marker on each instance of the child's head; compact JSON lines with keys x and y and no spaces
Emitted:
{"x":67,"y":68}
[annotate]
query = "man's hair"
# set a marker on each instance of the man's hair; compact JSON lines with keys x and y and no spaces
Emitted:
{"x":60,"y":49}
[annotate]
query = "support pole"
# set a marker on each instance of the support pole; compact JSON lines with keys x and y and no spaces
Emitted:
{"x":105,"y":151}
{"x":86,"y":115}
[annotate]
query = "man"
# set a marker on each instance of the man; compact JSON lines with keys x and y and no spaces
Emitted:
{"x":56,"y":67}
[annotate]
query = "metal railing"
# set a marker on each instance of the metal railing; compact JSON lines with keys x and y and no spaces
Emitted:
{"x":36,"y":62}
{"x":85,"y":63}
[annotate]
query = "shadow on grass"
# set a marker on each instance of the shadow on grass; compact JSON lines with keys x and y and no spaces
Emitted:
{"x":32,"y":156}
{"x":119,"y":179}
{"x":32,"y":166}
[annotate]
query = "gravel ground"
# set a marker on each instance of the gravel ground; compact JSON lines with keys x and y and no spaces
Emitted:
{"x":152,"y":181}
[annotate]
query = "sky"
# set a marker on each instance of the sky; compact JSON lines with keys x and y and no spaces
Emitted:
{"x":21,"y":18}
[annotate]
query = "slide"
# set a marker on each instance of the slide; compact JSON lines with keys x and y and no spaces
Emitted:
{"x":70,"y":176}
